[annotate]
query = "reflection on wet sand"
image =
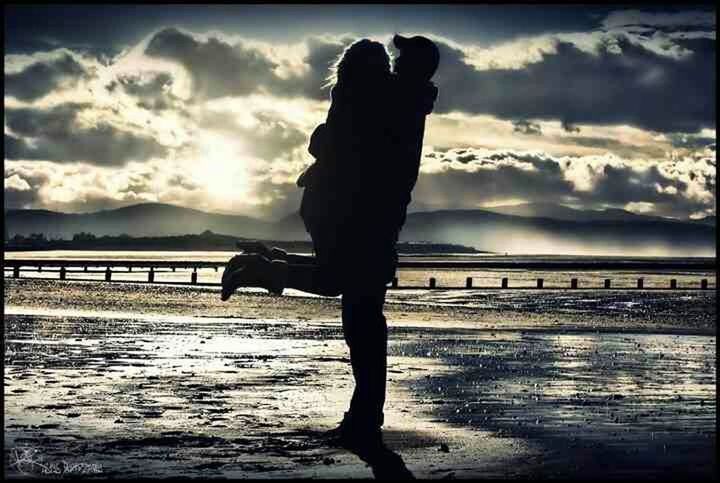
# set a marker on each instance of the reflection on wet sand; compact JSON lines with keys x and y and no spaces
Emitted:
{"x":163,"y":395}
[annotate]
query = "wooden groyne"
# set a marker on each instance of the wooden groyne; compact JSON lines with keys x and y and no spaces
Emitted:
{"x":150,"y":268}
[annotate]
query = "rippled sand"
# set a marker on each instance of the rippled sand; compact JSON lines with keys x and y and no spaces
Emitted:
{"x":158,"y":381}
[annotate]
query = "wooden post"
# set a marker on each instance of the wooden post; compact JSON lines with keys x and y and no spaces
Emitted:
{"x":640,"y":283}
{"x":673,"y":283}
{"x":16,"y":271}
{"x":573,"y":283}
{"x":193,"y":276}
{"x":62,"y":273}
{"x":540,"y":283}
{"x":704,"y":284}
{"x":432,"y":282}
{"x":468,"y":282}
{"x":85,"y":268}
{"x":504,"y":283}
{"x":129,"y":268}
{"x":151,"y":275}
{"x":108,"y":274}
{"x":394,"y":282}
{"x":173,"y":269}
{"x":607,"y":283}
{"x":39,"y":268}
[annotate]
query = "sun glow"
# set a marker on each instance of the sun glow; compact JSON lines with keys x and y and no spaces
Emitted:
{"x":220,"y":167}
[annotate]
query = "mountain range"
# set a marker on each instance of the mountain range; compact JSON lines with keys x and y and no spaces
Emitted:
{"x":529,"y":228}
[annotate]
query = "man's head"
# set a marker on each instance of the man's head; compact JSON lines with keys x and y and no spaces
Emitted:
{"x":419,"y":57}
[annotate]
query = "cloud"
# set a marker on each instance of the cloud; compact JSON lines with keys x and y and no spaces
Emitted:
{"x":689,"y":141}
{"x":618,"y":81}
{"x":59,"y":134}
{"x":567,"y":127}
{"x":22,"y":187}
{"x":152,"y":89}
{"x":527,"y":127}
{"x":86,"y":188}
{"x":649,"y":21}
{"x":217,"y":68}
{"x":18,"y":192}
{"x":44,"y":76}
{"x":266,"y":135}
{"x":472,"y":178}
{"x":221,"y":67}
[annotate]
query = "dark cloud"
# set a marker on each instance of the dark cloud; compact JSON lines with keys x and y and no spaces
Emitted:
{"x":14,"y":147}
{"x":152,"y":90}
{"x":688,"y":141}
{"x":622,"y":184}
{"x":567,"y":127}
{"x":22,"y":187}
{"x":219,"y":68}
{"x":18,"y":198}
{"x":58,"y":136}
{"x":40,"y":78}
{"x":526,"y":127}
{"x":637,"y":86}
{"x":671,"y":22}
{"x":322,"y":55}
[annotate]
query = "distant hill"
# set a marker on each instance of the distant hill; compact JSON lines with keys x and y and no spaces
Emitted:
{"x":147,"y":219}
{"x":567,"y":231}
{"x":562,"y":212}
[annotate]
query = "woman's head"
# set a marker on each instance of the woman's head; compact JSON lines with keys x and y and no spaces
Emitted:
{"x":363,"y":61}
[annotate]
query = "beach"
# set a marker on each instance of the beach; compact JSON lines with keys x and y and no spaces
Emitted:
{"x":136,"y":380}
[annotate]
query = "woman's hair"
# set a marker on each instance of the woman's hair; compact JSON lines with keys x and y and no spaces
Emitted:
{"x":361,"y":61}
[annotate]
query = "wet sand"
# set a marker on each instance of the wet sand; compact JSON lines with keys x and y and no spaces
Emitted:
{"x":158,"y":381}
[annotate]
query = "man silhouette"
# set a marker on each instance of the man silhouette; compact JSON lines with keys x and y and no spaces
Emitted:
{"x":354,"y":206}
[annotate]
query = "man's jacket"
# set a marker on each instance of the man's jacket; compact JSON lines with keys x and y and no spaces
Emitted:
{"x":367,"y":155}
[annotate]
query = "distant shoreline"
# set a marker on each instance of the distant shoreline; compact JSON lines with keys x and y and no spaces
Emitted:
{"x":209,"y":241}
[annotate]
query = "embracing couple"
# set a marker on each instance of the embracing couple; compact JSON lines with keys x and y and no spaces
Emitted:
{"x":367,"y":158}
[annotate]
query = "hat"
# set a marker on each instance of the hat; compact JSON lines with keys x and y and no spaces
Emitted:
{"x":419,"y":47}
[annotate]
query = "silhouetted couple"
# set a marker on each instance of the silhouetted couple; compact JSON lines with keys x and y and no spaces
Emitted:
{"x":367,"y":157}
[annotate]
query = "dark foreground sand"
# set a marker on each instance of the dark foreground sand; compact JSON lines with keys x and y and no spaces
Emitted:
{"x":108,"y":381}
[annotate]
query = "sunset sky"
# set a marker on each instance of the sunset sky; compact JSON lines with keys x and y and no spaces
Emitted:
{"x":211,"y":107}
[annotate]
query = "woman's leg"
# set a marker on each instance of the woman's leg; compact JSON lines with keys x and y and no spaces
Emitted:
{"x":321,"y":274}
{"x":312,"y":278}
{"x":300,"y":259}
{"x":259,"y":248}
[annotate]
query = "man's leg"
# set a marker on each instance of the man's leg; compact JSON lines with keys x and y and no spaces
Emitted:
{"x":365,"y":330}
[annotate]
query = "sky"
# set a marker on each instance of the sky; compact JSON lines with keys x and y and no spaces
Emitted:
{"x":211,"y":107}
